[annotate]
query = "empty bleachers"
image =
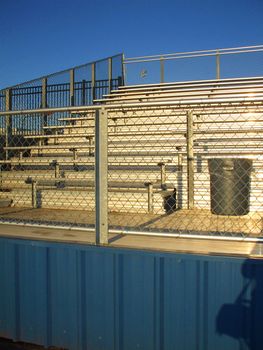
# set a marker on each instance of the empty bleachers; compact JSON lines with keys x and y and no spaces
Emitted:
{"x":147,"y":143}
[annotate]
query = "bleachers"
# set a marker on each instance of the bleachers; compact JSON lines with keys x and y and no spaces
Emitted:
{"x":141,"y":137}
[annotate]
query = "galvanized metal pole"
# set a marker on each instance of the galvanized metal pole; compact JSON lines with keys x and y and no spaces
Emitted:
{"x":83,"y":90}
{"x":163,"y":172}
{"x":57,"y":169}
{"x":8,"y":120}
{"x":124,"y":72}
{"x":150,"y":197}
{"x":162,"y":69}
{"x":179,"y":193}
{"x":93,"y":81}
{"x":75,"y":156}
{"x":71,"y":87}
{"x":44,"y":103}
{"x":44,"y":93}
{"x":101,"y":176}
{"x":34,"y":194}
{"x":190,"y":160}
{"x":109,"y":74}
{"x":218,"y":65}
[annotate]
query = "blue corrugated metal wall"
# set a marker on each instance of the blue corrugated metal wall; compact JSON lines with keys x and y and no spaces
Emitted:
{"x":90,"y":298}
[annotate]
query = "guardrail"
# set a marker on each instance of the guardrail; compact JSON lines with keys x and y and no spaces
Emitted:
{"x":77,"y":86}
{"x":194,"y":65}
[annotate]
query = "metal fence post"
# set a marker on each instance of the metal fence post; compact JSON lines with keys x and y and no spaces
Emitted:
{"x":101,"y":176}
{"x":163,"y":172}
{"x":93,"y":82}
{"x":150,"y":197}
{"x":83,"y":94}
{"x":162,"y":69}
{"x":34,"y":194}
{"x":71,"y":87}
{"x":179,"y":177}
{"x":109,"y":74}
{"x":124,"y":71}
{"x":190,"y":160}
{"x":44,"y":101}
{"x":8,"y":120}
{"x":217,"y":65}
{"x":57,"y":169}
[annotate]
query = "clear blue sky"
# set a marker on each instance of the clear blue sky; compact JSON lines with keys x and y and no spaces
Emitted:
{"x":41,"y":37}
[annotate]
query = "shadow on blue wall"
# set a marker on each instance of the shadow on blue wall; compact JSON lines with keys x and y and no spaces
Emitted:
{"x":243,"y":319}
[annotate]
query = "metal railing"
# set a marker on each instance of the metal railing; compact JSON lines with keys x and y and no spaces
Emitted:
{"x":78,"y":86}
{"x":194,"y":65}
{"x":188,"y":167}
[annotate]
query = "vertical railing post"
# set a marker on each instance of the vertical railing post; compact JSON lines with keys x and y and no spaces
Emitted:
{"x":217,"y":65}
{"x":190,"y":160}
{"x":57,"y":169}
{"x":83,"y":90}
{"x":179,"y":177}
{"x":8,"y":120}
{"x":109,"y":74}
{"x":124,"y":70}
{"x":163,"y":172}
{"x":43,"y":105}
{"x":150,"y":197}
{"x":93,"y":81}
{"x":162,"y":69}
{"x":34,"y":194}
{"x":44,"y":101}
{"x":44,"y":93}
{"x":71,"y":87}
{"x":101,"y":176}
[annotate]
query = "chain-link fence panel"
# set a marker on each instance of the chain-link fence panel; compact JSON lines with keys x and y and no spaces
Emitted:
{"x":193,"y":169}
{"x":47,"y":172}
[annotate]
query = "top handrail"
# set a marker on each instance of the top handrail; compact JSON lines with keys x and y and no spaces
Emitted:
{"x":191,"y":54}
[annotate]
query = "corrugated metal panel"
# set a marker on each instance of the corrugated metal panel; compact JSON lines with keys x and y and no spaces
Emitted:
{"x":81,"y":297}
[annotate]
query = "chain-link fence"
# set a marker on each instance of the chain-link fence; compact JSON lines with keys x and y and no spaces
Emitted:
{"x":183,"y":159}
{"x":48,"y":174}
{"x":189,"y":170}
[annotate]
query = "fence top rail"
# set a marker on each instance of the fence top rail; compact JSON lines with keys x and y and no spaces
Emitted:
{"x":60,"y":72}
{"x":244,"y":101}
{"x":191,"y":54}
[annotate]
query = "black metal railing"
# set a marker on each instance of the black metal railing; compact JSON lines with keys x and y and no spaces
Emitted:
{"x":57,"y":95}
{"x":78,"y":86}
{"x":73,"y":87}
